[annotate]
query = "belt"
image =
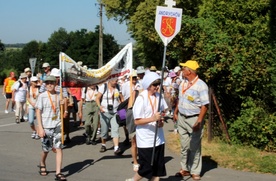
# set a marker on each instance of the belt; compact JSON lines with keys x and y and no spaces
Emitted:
{"x":89,"y":101}
{"x":189,"y":116}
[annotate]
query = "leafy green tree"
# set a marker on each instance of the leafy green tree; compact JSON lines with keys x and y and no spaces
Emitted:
{"x":58,"y":42}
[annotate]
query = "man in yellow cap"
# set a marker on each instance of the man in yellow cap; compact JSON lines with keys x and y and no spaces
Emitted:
{"x":189,"y":113}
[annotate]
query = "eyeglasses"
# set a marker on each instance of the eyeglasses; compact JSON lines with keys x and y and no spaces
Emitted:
{"x":156,"y":84}
{"x":49,"y":82}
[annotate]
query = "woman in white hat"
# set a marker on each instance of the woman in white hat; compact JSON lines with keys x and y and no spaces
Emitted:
{"x":147,"y":117}
{"x":19,"y":96}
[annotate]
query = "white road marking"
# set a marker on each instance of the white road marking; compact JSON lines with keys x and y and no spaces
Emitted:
{"x":7,"y":125}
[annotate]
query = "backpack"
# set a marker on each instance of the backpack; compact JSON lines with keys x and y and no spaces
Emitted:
{"x":14,"y":85}
{"x":122,"y":111}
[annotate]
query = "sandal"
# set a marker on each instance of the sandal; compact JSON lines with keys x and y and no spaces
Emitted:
{"x":42,"y":170}
{"x":195,"y":177}
{"x":136,"y":167}
{"x":60,"y":177}
{"x":182,"y":173}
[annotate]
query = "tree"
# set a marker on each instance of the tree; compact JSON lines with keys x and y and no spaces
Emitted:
{"x":58,"y":42}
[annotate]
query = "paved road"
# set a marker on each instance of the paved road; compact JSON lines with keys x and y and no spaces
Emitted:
{"x":19,"y":155}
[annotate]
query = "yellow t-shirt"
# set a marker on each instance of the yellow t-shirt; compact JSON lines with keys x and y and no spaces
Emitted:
{"x":9,"y":82}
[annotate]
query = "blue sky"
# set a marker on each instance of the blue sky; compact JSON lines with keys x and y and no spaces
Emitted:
{"x":22,"y":21}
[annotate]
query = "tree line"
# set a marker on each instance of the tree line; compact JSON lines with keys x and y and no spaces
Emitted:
{"x":80,"y":45}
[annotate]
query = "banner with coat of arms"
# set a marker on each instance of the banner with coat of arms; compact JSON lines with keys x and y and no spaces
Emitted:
{"x":74,"y":75}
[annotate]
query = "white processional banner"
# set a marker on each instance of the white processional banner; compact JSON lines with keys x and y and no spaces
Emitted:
{"x":74,"y":75}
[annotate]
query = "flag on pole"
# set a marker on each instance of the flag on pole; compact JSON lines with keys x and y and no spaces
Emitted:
{"x":74,"y":75}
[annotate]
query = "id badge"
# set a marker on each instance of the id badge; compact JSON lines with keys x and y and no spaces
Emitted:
{"x":54,"y":117}
{"x":190,"y":98}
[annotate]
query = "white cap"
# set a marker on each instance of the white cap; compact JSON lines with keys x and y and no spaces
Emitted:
{"x":149,"y":78}
{"x":34,"y":78}
{"x":55,"y":72}
{"x":45,"y":65}
{"x":176,"y":69}
{"x":140,"y":70}
{"x":134,"y":74}
{"x":27,"y":70}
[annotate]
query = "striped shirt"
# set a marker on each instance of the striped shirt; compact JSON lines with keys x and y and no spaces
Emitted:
{"x":191,"y":100}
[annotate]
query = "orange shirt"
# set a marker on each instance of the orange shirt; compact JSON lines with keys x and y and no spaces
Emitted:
{"x":9,"y":82}
{"x":76,"y":91}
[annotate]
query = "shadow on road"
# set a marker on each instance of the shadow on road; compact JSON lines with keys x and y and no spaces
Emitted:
{"x":208,"y":164}
{"x":77,"y":167}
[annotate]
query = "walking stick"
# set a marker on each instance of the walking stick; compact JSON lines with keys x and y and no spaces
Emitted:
{"x":159,"y":104}
{"x":61,"y":98}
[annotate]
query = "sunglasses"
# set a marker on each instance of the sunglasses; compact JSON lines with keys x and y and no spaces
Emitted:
{"x":49,"y":82}
{"x":156,"y":84}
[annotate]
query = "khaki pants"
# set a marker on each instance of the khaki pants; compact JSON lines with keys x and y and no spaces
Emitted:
{"x":20,"y":109}
{"x":191,"y":159}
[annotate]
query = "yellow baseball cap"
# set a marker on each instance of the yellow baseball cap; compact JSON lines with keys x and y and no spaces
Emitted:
{"x":192,"y":64}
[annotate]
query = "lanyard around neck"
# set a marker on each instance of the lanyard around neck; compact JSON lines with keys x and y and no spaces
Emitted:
{"x":153,"y":106}
{"x":190,"y":84}
{"x":52,"y":104}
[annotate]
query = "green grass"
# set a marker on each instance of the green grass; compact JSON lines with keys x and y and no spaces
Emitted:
{"x":236,"y":157}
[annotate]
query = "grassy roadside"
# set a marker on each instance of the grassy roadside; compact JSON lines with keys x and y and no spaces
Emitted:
{"x":231,"y":156}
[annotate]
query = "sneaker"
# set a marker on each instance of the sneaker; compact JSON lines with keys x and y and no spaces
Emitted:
{"x":6,"y":111}
{"x":17,"y":121}
{"x":37,"y":137}
{"x":103,"y":149}
{"x":33,"y":135}
{"x":118,"y":152}
{"x":13,"y":110}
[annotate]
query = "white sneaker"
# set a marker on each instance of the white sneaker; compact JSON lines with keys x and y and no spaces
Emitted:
{"x":6,"y":111}
{"x":37,"y":137}
{"x":13,"y":110}
{"x":33,"y":135}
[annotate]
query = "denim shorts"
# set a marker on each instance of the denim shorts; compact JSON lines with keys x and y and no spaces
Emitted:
{"x":52,"y":139}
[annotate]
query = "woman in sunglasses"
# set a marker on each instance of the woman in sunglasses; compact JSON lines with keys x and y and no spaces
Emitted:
{"x":147,"y":117}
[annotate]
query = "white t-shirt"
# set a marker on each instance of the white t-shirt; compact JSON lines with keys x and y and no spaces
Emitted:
{"x":90,"y":94}
{"x":47,"y":113}
{"x":112,"y":100}
{"x":126,"y":89}
{"x":144,"y":109}
{"x":20,"y":92}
